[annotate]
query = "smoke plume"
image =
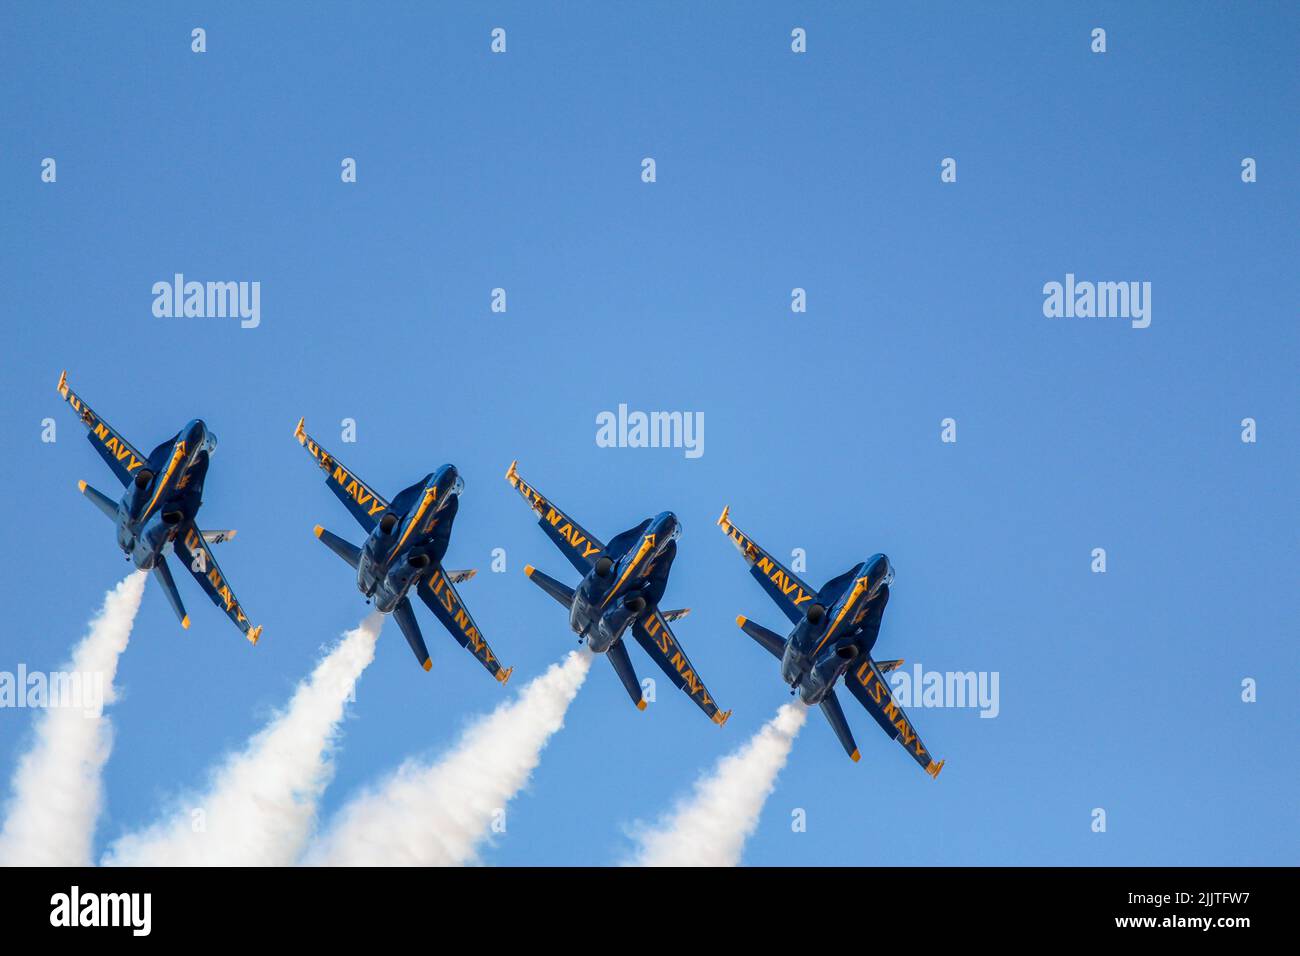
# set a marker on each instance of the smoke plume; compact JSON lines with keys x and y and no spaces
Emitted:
{"x":260,"y":806}
{"x":57,"y":791}
{"x":710,"y":827}
{"x":437,"y":814}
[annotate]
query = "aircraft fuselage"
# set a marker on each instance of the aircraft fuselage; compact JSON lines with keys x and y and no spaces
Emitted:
{"x":161,"y":496}
{"x":402,"y":546}
{"x":826,"y":642}
{"x":620,"y":588}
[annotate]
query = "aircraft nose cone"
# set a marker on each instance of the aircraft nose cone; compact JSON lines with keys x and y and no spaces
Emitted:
{"x":666,"y":526}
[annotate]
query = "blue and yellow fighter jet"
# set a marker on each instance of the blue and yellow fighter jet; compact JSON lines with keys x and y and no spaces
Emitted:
{"x":622,"y":584}
{"x":164,"y":492}
{"x":406,"y":542}
{"x":834,"y":631}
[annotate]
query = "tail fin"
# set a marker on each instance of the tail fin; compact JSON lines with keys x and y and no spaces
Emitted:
{"x":675,"y":615}
{"x":99,"y":500}
{"x":348,"y":552}
{"x":164,"y":575}
{"x":561,"y":592}
{"x":771,"y":640}
{"x":455,"y":577}
{"x":835,"y":714}
{"x":886,"y":666}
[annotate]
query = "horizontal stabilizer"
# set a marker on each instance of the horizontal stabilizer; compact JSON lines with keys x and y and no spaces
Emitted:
{"x":348,"y":552}
{"x":617,"y":655}
{"x":99,"y":500}
{"x":455,"y":577}
{"x":771,"y":640}
{"x":561,"y":592}
{"x":164,"y":575}
{"x":887,"y":666}
{"x":216,"y":537}
{"x":676,"y":615}
{"x":835,"y":714}
{"x":405,"y":615}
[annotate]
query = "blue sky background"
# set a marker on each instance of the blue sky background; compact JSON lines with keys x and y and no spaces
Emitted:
{"x":1119,"y":691}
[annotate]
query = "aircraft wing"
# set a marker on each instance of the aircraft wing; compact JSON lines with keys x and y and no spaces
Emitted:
{"x":780,"y":583}
{"x":440,"y":594}
{"x":867,"y":683}
{"x":660,"y":643}
{"x":120,"y":454}
{"x":192,"y":549}
{"x":365,"y":504}
{"x":579,"y":545}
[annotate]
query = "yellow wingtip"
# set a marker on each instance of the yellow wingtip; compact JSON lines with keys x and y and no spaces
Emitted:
{"x":529,"y":569}
{"x":721,"y":717}
{"x":934,"y":768}
{"x":62,"y":387}
{"x":254,"y":634}
{"x":722,"y":519}
{"x":504,"y":675}
{"x":185,"y":622}
{"x":855,"y":756}
{"x":640,"y":704}
{"x":428,"y":664}
{"x":511,"y":474}
{"x":300,"y":433}
{"x":81,"y":486}
{"x":741,"y":620}
{"x":318,"y":531}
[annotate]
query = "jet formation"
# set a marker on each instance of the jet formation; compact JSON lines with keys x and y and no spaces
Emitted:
{"x":833,"y":629}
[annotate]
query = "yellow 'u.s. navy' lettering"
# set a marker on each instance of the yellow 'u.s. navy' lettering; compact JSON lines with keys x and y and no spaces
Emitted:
{"x":663,"y":639}
{"x":350,"y":484}
{"x":450,"y":601}
{"x":776,"y":574}
{"x":212,"y":580}
{"x":880,"y":694}
{"x":115,"y":445}
{"x":577,"y":540}
{"x":760,"y":560}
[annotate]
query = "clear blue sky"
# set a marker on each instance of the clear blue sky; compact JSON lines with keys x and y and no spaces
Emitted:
{"x":822,"y":430}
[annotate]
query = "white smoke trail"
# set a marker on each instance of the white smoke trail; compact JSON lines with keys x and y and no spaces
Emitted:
{"x":437,"y":814}
{"x":260,"y":806}
{"x":710,"y":827}
{"x":57,"y":787}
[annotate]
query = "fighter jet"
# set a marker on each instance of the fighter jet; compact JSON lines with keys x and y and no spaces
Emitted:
{"x":405,"y":544}
{"x":834,"y":631}
{"x":155,"y":515}
{"x":622,"y":584}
